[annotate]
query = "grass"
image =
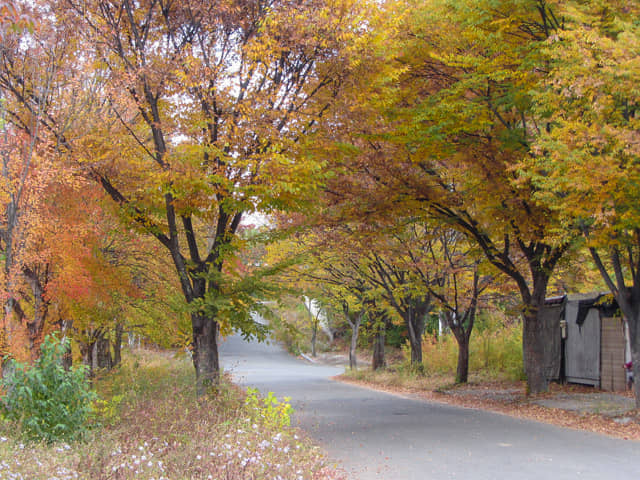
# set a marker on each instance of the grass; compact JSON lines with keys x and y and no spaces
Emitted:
{"x":151,"y":425}
{"x":495,"y":355}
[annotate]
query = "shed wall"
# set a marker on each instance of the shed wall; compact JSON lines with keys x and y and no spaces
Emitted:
{"x":612,"y":355}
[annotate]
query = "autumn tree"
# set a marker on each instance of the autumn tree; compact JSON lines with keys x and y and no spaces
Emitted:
{"x":448,"y":267}
{"x":212,"y":98}
{"x":586,"y":162}
{"x":98,"y":281}
{"x":31,"y":79}
{"x":459,"y":113}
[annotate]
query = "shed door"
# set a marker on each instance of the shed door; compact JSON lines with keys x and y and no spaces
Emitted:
{"x":582,"y":359}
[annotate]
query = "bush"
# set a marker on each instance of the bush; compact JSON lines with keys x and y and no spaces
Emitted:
{"x":48,"y":402}
{"x":268,"y":410}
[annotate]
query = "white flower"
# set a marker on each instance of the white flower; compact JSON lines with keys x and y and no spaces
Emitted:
{"x":264,"y":444}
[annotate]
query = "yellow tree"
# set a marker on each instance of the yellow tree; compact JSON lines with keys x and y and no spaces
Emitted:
{"x":585,"y":166}
{"x":212,"y":98}
{"x":463,"y":117}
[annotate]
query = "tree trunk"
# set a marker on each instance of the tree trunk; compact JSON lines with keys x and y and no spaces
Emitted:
{"x":314,"y":336}
{"x":628,"y":298}
{"x":93,"y":358}
{"x":103,"y":352}
{"x":456,"y":324}
{"x":67,"y":358}
{"x":205,"y":352}
{"x":635,"y":359}
{"x":354,"y":320}
{"x":415,"y":319}
{"x":355,"y":329}
{"x":35,"y":327}
{"x":533,"y":348}
{"x":353,"y":360}
{"x":86,"y":351}
{"x":462,"y":370}
{"x":117,"y":344}
{"x":629,"y":303}
{"x":536,"y":335}
{"x":415,"y":342}
{"x":96,"y":352}
{"x":379,"y":360}
{"x":86,"y":348}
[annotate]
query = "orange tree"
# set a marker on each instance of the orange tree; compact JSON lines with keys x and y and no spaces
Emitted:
{"x":32,"y":77}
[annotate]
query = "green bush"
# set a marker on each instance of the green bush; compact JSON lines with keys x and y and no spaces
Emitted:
{"x":268,"y":410}
{"x":48,"y":402}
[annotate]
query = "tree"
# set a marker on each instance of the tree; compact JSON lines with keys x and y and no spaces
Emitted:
{"x":212,"y":99}
{"x":12,"y":19}
{"x":314,"y":310}
{"x":461,"y":118}
{"x":586,"y":163}
{"x":31,"y":79}
{"x":448,"y":267}
{"x":324,"y":269}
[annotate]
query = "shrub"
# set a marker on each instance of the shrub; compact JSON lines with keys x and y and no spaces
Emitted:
{"x":48,"y":402}
{"x":268,"y":410}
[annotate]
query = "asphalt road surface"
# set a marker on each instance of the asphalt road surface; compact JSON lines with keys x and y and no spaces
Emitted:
{"x":375,"y":435}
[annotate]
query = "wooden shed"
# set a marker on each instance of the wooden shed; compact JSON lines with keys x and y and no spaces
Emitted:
{"x":594,"y":344}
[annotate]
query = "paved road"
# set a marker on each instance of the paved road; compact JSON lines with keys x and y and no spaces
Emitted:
{"x":375,"y":435}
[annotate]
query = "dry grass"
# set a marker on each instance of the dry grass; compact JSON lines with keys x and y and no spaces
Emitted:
{"x":154,"y":427}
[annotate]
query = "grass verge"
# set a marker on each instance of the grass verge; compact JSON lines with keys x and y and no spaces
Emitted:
{"x":151,"y":425}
